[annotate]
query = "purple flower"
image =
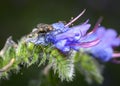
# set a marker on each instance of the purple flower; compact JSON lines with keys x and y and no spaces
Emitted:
{"x":99,"y":42}
{"x":66,"y":38}
{"x":104,"y":49}
{"x":72,"y":38}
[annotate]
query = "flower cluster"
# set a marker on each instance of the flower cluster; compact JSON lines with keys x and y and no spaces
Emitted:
{"x":99,"y":42}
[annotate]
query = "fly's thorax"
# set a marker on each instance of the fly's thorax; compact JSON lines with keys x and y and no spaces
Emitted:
{"x":40,"y":29}
{"x":44,"y":28}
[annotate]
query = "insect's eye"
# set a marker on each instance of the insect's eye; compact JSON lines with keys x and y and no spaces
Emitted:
{"x":34,"y":30}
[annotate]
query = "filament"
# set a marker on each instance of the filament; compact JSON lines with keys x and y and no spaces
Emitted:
{"x":116,"y":55}
{"x":96,"y":25}
{"x":73,"y":20}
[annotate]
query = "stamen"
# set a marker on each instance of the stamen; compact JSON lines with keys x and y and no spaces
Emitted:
{"x":86,"y":21}
{"x":75,"y":18}
{"x":96,"y":25}
{"x":116,"y":61}
{"x":87,"y":44}
{"x":116,"y":55}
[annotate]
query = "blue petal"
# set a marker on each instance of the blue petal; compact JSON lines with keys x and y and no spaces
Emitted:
{"x":104,"y":49}
{"x":38,"y":40}
{"x":61,"y":45}
{"x":60,"y":26}
{"x":109,"y":38}
{"x":102,"y":54}
{"x":74,"y":32}
{"x":116,"y":42}
{"x":83,"y":28}
{"x":94,"y":35}
{"x":106,"y":37}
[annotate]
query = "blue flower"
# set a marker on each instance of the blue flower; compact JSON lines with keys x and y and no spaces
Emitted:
{"x":99,"y":42}
{"x":104,"y":49}
{"x":68,"y":38}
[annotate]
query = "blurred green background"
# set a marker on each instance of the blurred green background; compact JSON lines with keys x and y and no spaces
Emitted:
{"x":19,"y":17}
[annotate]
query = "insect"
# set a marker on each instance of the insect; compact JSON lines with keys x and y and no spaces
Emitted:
{"x":44,"y":33}
{"x":43,"y":28}
{"x":37,"y":35}
{"x":40,"y":29}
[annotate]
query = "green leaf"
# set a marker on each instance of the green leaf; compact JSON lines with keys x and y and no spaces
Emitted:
{"x":62,"y":65}
{"x":89,"y":67}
